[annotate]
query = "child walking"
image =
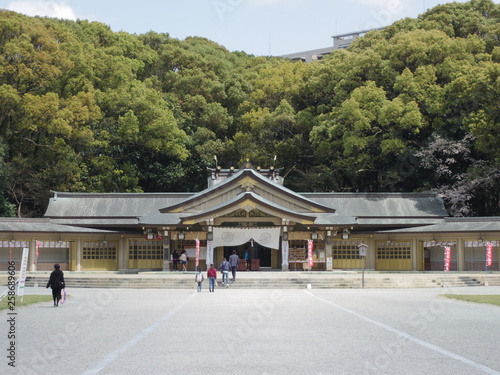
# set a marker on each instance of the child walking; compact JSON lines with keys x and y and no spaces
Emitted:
{"x":199,"y":279}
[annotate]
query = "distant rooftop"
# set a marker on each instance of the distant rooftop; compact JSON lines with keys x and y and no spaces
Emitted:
{"x":340,"y":41}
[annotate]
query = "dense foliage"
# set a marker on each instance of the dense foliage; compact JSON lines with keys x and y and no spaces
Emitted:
{"x":412,"y":107}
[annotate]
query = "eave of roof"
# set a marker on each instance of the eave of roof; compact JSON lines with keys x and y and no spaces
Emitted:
{"x":45,"y":226}
{"x":329,"y":219}
{"x":89,"y":222}
{"x":457,"y":225}
{"x":160,"y":219}
{"x":373,"y":222}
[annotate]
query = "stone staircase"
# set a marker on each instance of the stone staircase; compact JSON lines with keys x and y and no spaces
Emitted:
{"x":277,"y":281}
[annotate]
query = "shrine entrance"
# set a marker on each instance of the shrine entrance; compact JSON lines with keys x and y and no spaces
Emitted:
{"x":260,"y":255}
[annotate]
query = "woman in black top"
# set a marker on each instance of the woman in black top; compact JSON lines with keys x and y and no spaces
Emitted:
{"x":56,"y":282}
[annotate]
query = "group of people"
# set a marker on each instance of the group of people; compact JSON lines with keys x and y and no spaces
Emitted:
{"x":182,"y":259}
{"x":230,"y":265}
{"x":56,"y":280}
{"x":224,"y":268}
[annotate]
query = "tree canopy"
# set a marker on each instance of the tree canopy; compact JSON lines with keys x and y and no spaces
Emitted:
{"x":411,"y":107}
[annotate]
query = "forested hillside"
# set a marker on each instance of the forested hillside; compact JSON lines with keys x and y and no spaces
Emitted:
{"x":413,"y":107}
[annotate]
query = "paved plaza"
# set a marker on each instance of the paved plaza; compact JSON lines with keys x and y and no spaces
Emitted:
{"x":255,"y":331}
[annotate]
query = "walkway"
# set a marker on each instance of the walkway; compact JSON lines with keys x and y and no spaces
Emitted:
{"x":257,"y":332}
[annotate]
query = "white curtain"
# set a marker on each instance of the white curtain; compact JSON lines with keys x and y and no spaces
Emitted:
{"x":439,"y":243}
{"x":268,"y":237}
{"x":480,"y":243}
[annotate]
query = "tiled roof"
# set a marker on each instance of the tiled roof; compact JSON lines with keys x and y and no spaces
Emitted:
{"x":377,"y":205}
{"x":41,"y":225}
{"x":488,"y":224}
{"x":112,"y":205}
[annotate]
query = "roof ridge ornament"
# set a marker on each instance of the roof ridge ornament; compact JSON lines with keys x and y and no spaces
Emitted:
{"x":248,"y":183}
{"x":247,"y":165}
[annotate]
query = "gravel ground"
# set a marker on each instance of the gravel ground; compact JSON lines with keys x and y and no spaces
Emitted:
{"x":327,"y":331}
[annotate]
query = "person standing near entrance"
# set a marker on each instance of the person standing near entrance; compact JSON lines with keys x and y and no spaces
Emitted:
{"x":175,"y":259}
{"x":224,"y":269}
{"x":212,"y":276}
{"x":248,"y":259}
{"x":183,"y":259}
{"x":233,"y":262}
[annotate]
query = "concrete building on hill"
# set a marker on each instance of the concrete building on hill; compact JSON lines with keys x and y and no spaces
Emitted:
{"x":340,"y":41}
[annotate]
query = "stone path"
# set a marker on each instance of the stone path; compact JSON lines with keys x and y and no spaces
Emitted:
{"x":252,"y":331}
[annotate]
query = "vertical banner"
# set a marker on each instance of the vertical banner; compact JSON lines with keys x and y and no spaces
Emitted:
{"x":210,"y":253}
{"x":37,"y":251}
{"x":197,"y":252}
{"x":22,"y":275}
{"x":284,"y":253}
{"x":489,"y":255}
{"x":447,"y":258}
{"x":310,"y":246}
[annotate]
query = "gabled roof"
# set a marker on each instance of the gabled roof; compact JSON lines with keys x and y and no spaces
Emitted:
{"x":246,"y":179}
{"x":367,"y":210}
{"x":251,"y":200}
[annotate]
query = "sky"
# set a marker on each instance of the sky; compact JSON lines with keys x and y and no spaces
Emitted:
{"x":258,"y":27}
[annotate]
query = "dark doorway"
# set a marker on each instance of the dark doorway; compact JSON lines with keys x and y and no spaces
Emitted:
{"x":262,"y":253}
{"x":258,"y":252}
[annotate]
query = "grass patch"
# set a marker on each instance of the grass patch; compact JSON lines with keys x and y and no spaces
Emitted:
{"x":489,"y":299}
{"x":27,"y":300}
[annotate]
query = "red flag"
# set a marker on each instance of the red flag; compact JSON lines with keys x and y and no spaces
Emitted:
{"x":197,"y":252}
{"x":310,"y":246}
{"x":489,"y":254}
{"x":447,"y":258}
{"x":37,"y":251}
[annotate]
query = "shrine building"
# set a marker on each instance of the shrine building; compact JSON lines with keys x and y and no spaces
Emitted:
{"x":248,"y":210}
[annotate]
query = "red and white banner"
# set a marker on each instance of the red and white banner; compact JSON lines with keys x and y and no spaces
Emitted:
{"x":447,"y":258}
{"x":37,"y":251}
{"x":310,"y":246}
{"x":197,"y":252}
{"x":489,"y":254}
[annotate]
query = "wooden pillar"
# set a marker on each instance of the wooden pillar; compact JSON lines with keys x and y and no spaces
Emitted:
{"x":78,"y":254}
{"x":166,"y":252}
{"x":460,"y":255}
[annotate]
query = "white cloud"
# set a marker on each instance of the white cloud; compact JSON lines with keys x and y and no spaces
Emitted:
{"x":44,"y":8}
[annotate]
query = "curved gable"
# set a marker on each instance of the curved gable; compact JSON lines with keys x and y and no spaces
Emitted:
{"x":247,"y":201}
{"x":248,"y":180}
